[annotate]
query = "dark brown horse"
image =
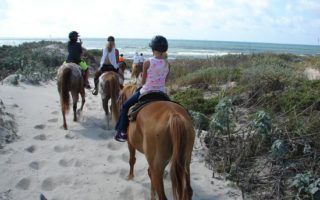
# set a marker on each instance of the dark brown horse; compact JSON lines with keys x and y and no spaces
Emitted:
{"x":70,"y":80}
{"x":109,"y":88}
{"x":163,"y":132}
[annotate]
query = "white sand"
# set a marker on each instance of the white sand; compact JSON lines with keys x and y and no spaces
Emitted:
{"x":82,"y":163}
{"x":312,"y":74}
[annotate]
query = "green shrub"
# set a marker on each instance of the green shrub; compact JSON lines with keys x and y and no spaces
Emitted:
{"x":210,"y":76}
{"x":301,"y":96}
{"x":193,"y":99}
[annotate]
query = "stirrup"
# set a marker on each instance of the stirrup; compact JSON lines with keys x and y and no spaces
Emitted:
{"x":95,"y":92}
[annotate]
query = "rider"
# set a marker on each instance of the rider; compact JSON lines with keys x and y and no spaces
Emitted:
{"x":74,"y":48}
{"x":141,"y":59}
{"x":154,"y":76}
{"x":109,"y":62}
{"x":121,"y":58}
{"x":74,"y":55}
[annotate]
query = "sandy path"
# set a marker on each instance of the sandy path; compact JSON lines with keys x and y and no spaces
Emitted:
{"x":83,"y":162}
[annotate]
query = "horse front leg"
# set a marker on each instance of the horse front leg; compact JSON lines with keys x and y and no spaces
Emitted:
{"x":132,"y":160}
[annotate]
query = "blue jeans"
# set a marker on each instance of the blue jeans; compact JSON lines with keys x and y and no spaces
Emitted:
{"x":123,"y":121}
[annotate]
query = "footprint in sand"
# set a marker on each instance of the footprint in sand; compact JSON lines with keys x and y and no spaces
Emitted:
{"x":23,"y":184}
{"x":31,"y":149}
{"x":110,"y":158}
{"x":78,"y":163}
{"x":114,"y":146}
{"x":71,"y":136}
{"x":60,"y":149}
{"x":111,"y":170}
{"x":53,"y":120}
{"x":66,"y":163}
{"x":40,"y":126}
{"x":55,"y":112}
{"x":40,"y":137}
{"x":125,"y":157}
{"x":104,"y":136}
{"x":15,"y":106}
{"x":51,"y":183}
{"x":36,"y":165}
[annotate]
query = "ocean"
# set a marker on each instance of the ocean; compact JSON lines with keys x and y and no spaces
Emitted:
{"x":184,"y":48}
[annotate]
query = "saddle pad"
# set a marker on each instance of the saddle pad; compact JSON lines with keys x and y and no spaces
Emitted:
{"x":143,"y":101}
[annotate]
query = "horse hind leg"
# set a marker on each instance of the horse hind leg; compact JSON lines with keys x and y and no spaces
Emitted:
{"x":64,"y":120}
{"x":105,"y":102}
{"x":156,"y":177}
{"x":132,"y":160}
{"x":75,"y":111}
{"x":82,"y":93}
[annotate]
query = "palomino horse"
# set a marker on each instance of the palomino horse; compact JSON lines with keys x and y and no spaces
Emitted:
{"x":70,"y":80}
{"x":163,"y":132}
{"x":136,"y":70}
{"x":109,"y":88}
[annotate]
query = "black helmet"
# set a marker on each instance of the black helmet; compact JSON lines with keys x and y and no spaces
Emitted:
{"x":110,"y":39}
{"x":73,"y":35}
{"x":159,"y":43}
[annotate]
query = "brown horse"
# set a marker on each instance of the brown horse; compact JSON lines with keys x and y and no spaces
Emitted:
{"x":136,"y":70}
{"x":163,"y":132}
{"x":109,"y":88}
{"x":70,"y":80}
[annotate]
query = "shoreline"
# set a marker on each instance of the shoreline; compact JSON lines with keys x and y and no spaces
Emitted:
{"x":185,"y":48}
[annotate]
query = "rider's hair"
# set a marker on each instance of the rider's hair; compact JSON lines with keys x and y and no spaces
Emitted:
{"x":110,"y":45}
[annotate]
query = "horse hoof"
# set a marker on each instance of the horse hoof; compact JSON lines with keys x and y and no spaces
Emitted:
{"x":130,"y":177}
{"x":65,"y":128}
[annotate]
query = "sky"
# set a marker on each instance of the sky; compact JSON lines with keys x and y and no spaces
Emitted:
{"x":271,"y":21}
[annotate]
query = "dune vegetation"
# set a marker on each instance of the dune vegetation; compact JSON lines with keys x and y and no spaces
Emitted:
{"x":257,"y":114}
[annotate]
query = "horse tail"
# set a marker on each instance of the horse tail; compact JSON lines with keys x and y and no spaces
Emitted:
{"x":65,"y":97}
{"x":114,"y":88}
{"x":181,"y":156}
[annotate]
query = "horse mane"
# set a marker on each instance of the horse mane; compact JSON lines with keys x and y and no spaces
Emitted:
{"x":126,"y":92}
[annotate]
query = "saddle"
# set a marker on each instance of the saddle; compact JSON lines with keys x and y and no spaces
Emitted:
{"x":144,"y":100}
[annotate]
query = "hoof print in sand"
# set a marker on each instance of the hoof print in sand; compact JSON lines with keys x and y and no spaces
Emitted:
{"x":31,"y":149}
{"x":53,"y":120}
{"x":60,"y":149}
{"x":55,"y":112}
{"x":36,"y":165}
{"x":40,"y":126}
{"x":40,"y":137}
{"x":49,"y":184}
{"x":66,"y":163}
{"x":24,"y":184}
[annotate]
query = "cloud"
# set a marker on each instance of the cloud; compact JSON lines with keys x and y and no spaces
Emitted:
{"x":245,"y":20}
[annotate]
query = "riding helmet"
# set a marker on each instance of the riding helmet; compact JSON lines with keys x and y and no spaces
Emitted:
{"x":110,"y":39}
{"x":159,"y":43}
{"x":73,"y":35}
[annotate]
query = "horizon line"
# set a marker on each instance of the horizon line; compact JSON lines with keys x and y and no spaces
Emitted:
{"x":205,"y":40}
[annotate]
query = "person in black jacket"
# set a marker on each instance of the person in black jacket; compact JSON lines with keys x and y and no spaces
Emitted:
{"x":75,"y":54}
{"x":74,"y":48}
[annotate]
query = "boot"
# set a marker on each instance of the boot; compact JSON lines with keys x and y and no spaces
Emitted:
{"x":95,"y":91}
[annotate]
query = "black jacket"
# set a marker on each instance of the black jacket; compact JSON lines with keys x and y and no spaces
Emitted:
{"x":75,"y":51}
